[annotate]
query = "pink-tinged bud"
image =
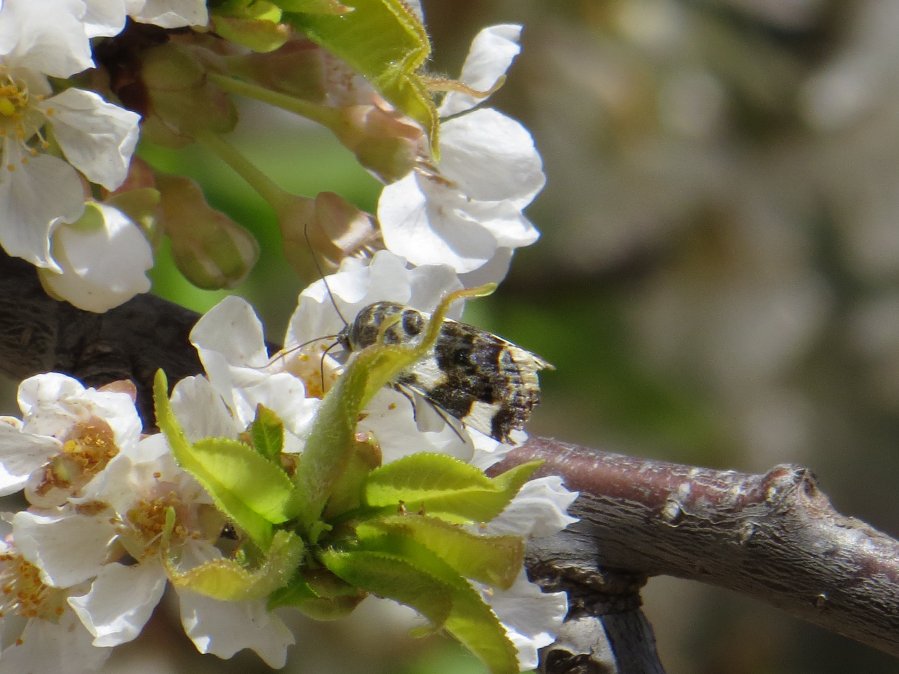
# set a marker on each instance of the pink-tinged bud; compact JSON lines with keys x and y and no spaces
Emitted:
{"x":182,"y":102}
{"x":385,"y":142}
{"x":334,"y":227}
{"x":140,"y":175}
{"x":296,"y":69}
{"x":210,"y":249}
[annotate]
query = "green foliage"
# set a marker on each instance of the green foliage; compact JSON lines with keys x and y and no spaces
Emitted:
{"x":251,"y":490}
{"x":266,"y":433}
{"x":228,"y":580}
{"x":445,"y":487}
{"x":385,"y":41}
{"x":343,"y":525}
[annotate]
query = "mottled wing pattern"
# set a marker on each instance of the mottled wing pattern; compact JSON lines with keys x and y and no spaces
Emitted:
{"x":483,"y":380}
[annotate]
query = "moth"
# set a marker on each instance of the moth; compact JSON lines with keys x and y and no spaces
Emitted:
{"x":472,"y":375}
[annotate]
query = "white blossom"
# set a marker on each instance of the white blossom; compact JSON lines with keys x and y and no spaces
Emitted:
{"x":67,"y":435}
{"x":39,"y":190}
{"x":530,"y":616}
{"x":40,"y":633}
{"x":231,"y":345}
{"x":467,"y":212}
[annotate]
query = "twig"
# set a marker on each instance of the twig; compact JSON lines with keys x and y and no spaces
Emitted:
{"x":775,"y":536}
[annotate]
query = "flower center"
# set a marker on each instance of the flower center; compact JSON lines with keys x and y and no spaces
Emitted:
{"x":23,"y":593}
{"x":148,"y":522}
{"x":15,"y":102}
{"x":86,"y":451}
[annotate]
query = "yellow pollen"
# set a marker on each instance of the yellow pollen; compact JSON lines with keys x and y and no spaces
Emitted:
{"x":88,"y":448}
{"x":147,"y":520}
{"x":25,"y":595}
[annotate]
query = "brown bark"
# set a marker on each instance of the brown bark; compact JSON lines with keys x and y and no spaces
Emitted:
{"x":774,"y":536}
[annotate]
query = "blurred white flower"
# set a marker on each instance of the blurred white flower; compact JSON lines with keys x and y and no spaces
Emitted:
{"x":40,"y":632}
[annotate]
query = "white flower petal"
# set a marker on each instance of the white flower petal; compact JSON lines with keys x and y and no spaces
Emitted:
{"x":62,"y":647}
{"x":223,"y":628}
{"x":103,"y":260}
{"x":428,"y":224}
{"x":30,"y":39}
{"x":489,"y":57}
{"x":103,"y":18}
{"x":493,"y":271}
{"x":120,"y":602}
{"x":232,"y":333}
{"x":43,"y":390}
{"x":196,"y":393}
{"x":67,"y":549}
{"x":20,"y":455}
{"x":538,"y":509}
{"x":491,"y":157}
{"x":172,"y":13}
{"x":34,"y":196}
{"x":98,"y":138}
{"x":532,"y":618}
{"x":386,"y":277}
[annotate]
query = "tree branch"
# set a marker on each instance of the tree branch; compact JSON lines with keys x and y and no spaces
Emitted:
{"x":775,"y":536}
{"x":772,"y":536}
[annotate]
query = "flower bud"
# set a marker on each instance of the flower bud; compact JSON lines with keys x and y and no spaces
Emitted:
{"x":384,"y":141}
{"x":209,"y":248}
{"x":296,"y":69}
{"x":182,"y":103}
{"x":332,"y":226}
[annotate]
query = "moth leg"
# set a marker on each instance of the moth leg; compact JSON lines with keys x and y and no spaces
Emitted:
{"x":448,"y":419}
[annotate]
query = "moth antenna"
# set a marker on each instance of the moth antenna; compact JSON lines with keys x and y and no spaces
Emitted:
{"x":321,"y":365}
{"x":286,"y":352}
{"x":321,"y":275}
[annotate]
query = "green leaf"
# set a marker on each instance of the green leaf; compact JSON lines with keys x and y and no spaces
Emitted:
{"x":319,"y":594}
{"x":314,"y":6}
{"x":440,"y":485}
{"x":384,"y":41}
{"x":348,"y":491}
{"x":492,"y":560}
{"x":401,"y":569}
{"x":267,"y":433}
{"x":392,"y":576}
{"x":227,"y":580}
{"x":244,"y":485}
{"x":236,"y":469}
{"x":477,"y":628}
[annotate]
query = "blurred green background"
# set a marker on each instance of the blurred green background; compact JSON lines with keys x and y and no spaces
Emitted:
{"x":717,"y":282}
